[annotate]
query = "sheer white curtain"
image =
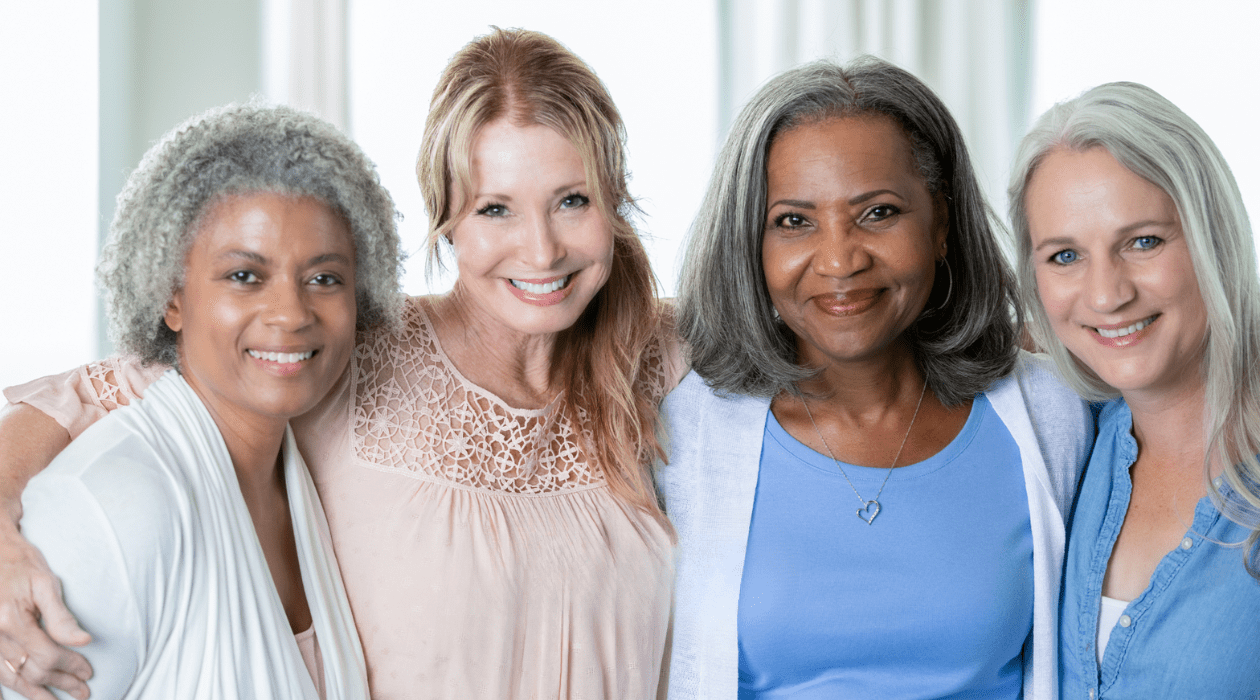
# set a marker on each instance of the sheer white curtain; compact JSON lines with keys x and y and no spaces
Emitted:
{"x":304,"y":56}
{"x":975,"y":54}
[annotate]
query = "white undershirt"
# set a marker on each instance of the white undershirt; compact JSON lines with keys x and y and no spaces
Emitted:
{"x":1108,"y":615}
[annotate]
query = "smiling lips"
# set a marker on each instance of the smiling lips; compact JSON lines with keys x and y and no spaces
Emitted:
{"x":1119,"y":336}
{"x":848,"y":303}
{"x":543,"y":292}
{"x":281,"y":363}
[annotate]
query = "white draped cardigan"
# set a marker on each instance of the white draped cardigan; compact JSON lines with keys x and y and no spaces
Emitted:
{"x":711,"y":479}
{"x":143,"y":519}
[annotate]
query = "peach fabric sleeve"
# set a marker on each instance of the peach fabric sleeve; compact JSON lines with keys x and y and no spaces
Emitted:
{"x":80,"y":397}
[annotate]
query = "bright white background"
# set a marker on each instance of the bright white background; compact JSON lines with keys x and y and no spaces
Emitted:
{"x":658,"y":59}
{"x":1201,"y":55}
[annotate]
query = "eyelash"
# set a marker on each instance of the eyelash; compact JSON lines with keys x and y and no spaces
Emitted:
{"x":583,"y":200}
{"x":892,"y":211}
{"x":780,"y":221}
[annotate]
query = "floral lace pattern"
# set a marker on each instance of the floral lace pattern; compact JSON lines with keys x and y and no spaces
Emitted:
{"x":415,"y":413}
{"x":105,"y":378}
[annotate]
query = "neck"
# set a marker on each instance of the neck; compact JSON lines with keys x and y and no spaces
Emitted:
{"x":1169,"y":426}
{"x":512,"y":365}
{"x":871,"y":384}
{"x":253,"y":442}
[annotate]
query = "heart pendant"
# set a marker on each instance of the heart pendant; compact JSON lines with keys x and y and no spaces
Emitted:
{"x":868,"y":513}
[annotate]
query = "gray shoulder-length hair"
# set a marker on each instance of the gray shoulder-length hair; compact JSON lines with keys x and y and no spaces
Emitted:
{"x":238,"y":149}
{"x":968,"y":339}
{"x":1155,"y":140}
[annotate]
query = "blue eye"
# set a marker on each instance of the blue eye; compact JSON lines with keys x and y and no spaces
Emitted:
{"x":1064,"y":257}
{"x":574,"y":201}
{"x":493,"y":210}
{"x":1147,"y":242}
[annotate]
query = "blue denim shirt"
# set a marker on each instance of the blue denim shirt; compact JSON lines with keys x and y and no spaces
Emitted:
{"x":1193,"y":633}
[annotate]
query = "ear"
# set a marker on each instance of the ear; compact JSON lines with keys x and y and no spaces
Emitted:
{"x":174,"y":315}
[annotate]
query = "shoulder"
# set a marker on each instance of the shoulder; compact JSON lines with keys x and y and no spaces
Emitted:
{"x":662,"y":364}
{"x":698,"y":418}
{"x":120,"y":471}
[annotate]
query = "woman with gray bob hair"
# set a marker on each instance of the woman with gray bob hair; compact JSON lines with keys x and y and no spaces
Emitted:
{"x":1137,"y":270}
{"x":844,"y":280}
{"x":232,"y":150}
{"x":965,"y":340}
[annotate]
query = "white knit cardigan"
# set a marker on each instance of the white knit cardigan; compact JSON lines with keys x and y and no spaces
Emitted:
{"x":711,"y":479}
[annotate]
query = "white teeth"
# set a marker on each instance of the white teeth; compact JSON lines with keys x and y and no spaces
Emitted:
{"x":284,"y":358}
{"x":547,"y":288}
{"x":1120,"y":332}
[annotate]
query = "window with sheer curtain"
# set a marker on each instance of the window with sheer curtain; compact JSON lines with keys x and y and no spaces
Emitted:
{"x":677,"y":69}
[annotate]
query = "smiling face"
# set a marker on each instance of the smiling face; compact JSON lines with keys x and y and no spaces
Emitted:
{"x":1114,"y":272}
{"x":851,"y":236}
{"x":265,"y":320}
{"x":533,"y":249}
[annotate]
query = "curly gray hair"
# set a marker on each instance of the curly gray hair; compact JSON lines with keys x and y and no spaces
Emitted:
{"x":231,"y":150}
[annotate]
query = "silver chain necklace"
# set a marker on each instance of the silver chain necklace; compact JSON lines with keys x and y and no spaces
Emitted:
{"x":870,"y":508}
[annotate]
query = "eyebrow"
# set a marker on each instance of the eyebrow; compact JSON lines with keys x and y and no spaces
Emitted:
{"x":865,"y":196}
{"x":1124,"y":230}
{"x":262,"y":260}
{"x":557,"y":192}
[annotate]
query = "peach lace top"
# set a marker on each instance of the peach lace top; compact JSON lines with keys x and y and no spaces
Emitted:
{"x":482,"y":555}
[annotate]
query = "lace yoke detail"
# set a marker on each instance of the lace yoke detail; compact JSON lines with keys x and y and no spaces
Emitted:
{"x":105,"y":380}
{"x":414,"y":413}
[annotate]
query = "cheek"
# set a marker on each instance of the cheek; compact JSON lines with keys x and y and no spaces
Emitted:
{"x":1055,"y":292}
{"x":781,"y":264}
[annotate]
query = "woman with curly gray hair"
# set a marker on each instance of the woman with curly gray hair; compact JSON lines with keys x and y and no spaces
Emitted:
{"x":485,"y":465}
{"x":185,"y":529}
{"x":869,"y":480}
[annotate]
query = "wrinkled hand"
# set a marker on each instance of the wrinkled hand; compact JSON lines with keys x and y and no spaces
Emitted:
{"x":34,"y":658}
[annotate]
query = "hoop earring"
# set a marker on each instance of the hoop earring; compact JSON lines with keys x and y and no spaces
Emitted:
{"x":949,"y":291}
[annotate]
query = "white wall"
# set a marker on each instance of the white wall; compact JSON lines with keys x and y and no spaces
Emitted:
{"x":657,"y":57}
{"x":48,"y":198}
{"x":1202,"y":55}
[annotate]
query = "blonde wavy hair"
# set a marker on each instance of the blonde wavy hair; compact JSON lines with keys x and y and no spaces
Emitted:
{"x":530,"y":78}
{"x":1155,"y":140}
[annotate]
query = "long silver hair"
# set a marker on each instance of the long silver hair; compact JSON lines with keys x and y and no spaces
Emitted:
{"x":1155,"y":140}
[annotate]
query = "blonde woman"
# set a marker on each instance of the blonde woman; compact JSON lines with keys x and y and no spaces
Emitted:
{"x":485,"y":468}
{"x":1138,"y":271}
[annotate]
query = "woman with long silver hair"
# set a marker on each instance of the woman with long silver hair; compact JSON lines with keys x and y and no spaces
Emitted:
{"x":1138,"y":273}
{"x":868,"y":478}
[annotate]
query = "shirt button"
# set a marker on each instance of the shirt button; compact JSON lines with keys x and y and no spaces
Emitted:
{"x":1091,"y":694}
{"x":1125,"y":620}
{"x":1187,"y":543}
{"x":1218,"y":481}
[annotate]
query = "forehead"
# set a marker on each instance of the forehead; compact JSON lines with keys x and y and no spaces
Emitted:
{"x":277,"y":222}
{"x":848,"y":149}
{"x":1082,"y":191}
{"x":505,"y":148}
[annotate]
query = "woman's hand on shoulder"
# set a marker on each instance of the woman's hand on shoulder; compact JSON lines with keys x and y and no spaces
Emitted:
{"x":34,"y":658}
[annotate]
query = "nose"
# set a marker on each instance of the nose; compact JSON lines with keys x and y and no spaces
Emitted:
{"x":1109,"y":286}
{"x":540,"y":243}
{"x":841,"y":252}
{"x":287,"y":305}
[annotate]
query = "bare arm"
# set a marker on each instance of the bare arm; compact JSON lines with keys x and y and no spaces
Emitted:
{"x":29,"y":592}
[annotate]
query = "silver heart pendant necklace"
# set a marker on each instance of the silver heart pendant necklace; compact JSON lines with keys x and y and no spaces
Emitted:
{"x":870,"y":509}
